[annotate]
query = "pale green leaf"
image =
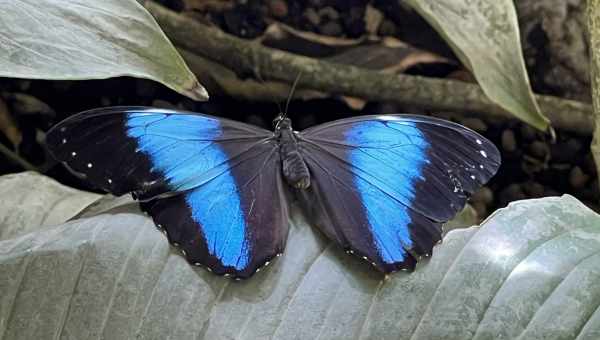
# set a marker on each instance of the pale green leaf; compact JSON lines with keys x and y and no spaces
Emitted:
{"x":83,"y":39}
{"x":484,"y":35}
{"x":30,"y":202}
{"x":530,"y":270}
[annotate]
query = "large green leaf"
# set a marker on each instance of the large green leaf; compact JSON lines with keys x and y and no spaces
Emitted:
{"x":531,"y":270}
{"x":83,"y":39}
{"x":484,"y":34}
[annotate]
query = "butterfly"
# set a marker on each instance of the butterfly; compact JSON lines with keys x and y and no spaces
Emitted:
{"x":379,"y":186}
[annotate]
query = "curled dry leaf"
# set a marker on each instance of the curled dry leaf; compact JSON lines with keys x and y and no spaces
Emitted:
{"x":25,"y":104}
{"x":385,"y":54}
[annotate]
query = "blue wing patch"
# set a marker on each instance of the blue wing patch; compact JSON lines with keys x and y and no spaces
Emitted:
{"x":215,"y":206}
{"x":178,"y":147}
{"x":389,"y":223}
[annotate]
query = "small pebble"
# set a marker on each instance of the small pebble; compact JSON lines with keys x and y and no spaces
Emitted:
{"x":387,"y":28}
{"x":578,"y":178}
{"x":574,"y":145}
{"x":278,"y":8}
{"x":539,"y":149}
{"x":484,"y":195}
{"x":513,"y":192}
{"x":480,"y":208}
{"x":312,"y":16}
{"x":329,"y":13}
{"x":354,"y":22}
{"x":565,"y":151}
{"x":533,"y":189}
{"x":332,"y":28}
{"x":527,"y":132}
{"x":474,"y":124}
{"x":509,"y":141}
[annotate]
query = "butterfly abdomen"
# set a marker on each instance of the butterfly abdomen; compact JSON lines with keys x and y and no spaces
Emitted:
{"x":293,"y":166}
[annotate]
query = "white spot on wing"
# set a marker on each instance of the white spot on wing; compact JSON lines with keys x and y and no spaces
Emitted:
{"x":109,"y":181}
{"x":73,"y":153}
{"x":483,"y":153}
{"x":64,"y":140}
{"x":478,"y":141}
{"x":89,"y":165}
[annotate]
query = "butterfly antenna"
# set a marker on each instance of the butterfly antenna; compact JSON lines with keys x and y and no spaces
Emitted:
{"x":287,"y":103}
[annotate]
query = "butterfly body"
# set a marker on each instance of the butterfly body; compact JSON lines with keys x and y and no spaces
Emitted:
{"x":379,"y":186}
{"x":294,"y":168}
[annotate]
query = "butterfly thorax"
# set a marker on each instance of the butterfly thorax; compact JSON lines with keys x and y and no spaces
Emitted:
{"x":294,"y":168}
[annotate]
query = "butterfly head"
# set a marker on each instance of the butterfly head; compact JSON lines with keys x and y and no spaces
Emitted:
{"x":281,"y":122}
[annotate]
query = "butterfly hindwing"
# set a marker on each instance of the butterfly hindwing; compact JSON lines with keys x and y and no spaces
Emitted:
{"x":383,"y":185}
{"x":234,"y":223}
{"x":212,"y":184}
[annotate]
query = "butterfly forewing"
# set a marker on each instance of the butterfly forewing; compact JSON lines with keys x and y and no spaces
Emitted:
{"x":386,"y":183}
{"x":212,"y":184}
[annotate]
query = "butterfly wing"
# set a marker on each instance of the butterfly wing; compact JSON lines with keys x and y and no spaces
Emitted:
{"x":381,"y":186}
{"x":149,"y":151}
{"x":212,"y":184}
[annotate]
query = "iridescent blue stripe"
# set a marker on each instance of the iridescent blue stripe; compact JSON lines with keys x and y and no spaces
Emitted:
{"x":379,"y":165}
{"x":181,"y":147}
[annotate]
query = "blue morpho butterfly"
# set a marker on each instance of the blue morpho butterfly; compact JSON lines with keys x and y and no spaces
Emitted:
{"x":379,"y":186}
